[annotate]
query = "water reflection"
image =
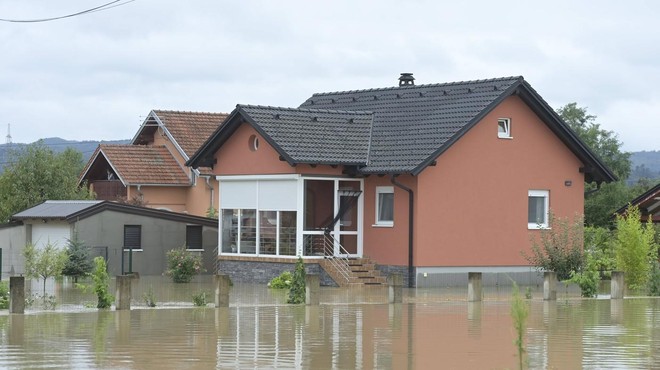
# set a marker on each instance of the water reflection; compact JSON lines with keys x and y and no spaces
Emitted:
{"x":352,"y":329}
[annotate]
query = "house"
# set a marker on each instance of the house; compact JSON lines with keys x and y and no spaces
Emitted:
{"x":112,"y":230}
{"x":151,"y":171}
{"x":648,"y":203}
{"x":430,"y":181}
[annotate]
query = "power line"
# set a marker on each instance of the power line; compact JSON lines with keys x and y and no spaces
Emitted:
{"x":92,"y":10}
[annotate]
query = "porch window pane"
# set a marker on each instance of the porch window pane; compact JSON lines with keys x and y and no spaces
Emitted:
{"x":287,"y":233}
{"x":349,"y":243}
{"x":229,"y":230}
{"x":319,"y":203}
{"x":267,"y":232}
{"x":248,"y":235}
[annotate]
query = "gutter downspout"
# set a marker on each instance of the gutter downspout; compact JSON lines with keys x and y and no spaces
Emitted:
{"x":411,"y":198}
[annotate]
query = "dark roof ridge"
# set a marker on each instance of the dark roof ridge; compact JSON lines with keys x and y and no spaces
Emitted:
{"x":130,"y":146}
{"x":408,"y":88}
{"x":310,"y":110}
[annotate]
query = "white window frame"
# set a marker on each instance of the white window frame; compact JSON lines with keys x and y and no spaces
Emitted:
{"x":545,"y":194}
{"x":383,"y":190}
{"x":506,"y":123}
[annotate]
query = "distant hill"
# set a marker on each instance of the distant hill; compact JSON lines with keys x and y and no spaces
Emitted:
{"x":644,"y":164}
{"x":57,"y":144}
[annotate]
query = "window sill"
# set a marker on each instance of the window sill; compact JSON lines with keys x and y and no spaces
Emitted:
{"x":505,"y":137}
{"x":195,"y":250}
{"x":382,"y":225}
{"x":538,"y":227}
{"x":134,"y":250}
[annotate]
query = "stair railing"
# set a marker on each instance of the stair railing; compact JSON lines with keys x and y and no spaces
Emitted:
{"x":339,"y":263}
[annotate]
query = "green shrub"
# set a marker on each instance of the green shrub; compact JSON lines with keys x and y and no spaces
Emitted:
{"x":149,"y":297}
{"x":101,"y":281}
{"x":4,"y":295}
{"x":654,"y":283}
{"x":588,"y":278}
{"x":281,"y":282}
{"x":200,"y":299}
{"x":297,"y":291}
{"x":636,"y":250}
{"x":182,"y":265}
{"x":559,"y":248}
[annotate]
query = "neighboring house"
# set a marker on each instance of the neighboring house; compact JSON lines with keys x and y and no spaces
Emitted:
{"x":648,"y":203}
{"x":110,"y":229}
{"x":151,"y":170}
{"x":427,"y":180}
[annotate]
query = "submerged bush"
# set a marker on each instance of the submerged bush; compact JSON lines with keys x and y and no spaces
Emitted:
{"x":281,"y":282}
{"x":200,"y":299}
{"x":297,"y":291}
{"x":519,"y":313}
{"x":182,"y":265}
{"x":4,"y":295}
{"x":636,"y":250}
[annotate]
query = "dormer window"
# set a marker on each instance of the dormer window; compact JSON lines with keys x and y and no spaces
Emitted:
{"x":504,"y":128}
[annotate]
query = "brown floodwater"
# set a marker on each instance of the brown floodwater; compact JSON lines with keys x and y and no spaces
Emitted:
{"x":352,"y":328}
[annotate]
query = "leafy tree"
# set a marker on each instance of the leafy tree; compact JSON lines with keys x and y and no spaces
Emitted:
{"x":79,"y":264}
{"x":603,"y":143}
{"x":599,"y":205}
{"x":45,"y":262}
{"x":636,"y":250}
{"x":559,"y":248}
{"x":35,"y":173}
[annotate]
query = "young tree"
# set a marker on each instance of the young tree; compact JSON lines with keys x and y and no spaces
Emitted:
{"x":636,"y":250}
{"x":44,"y":263}
{"x":78,"y":264}
{"x":35,"y":173}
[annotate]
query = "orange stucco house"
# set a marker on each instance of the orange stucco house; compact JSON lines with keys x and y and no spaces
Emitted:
{"x":423,"y":180}
{"x":151,"y":169}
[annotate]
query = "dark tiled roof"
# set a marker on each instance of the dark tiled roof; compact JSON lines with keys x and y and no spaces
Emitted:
{"x":55,"y":209}
{"x":142,"y":164}
{"x":313,"y":135}
{"x":190,"y":129}
{"x":648,"y":203}
{"x":412,"y":123}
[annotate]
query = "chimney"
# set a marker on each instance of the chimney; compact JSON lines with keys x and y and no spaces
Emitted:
{"x":406,"y":79}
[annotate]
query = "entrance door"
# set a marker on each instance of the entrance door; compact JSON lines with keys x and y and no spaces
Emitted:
{"x":334,"y":205}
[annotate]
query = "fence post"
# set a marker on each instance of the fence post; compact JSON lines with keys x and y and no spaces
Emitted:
{"x":395,"y":288}
{"x":312,"y":289}
{"x":221,"y":290}
{"x":17,"y":294}
{"x":549,"y":286}
{"x":617,"y":285}
{"x":474,"y":286}
{"x":123,"y":292}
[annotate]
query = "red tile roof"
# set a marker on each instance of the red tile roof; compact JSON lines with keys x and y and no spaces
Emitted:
{"x":190,"y":129}
{"x":142,"y":164}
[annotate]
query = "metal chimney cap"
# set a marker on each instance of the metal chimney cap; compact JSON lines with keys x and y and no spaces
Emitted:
{"x":406,"y":79}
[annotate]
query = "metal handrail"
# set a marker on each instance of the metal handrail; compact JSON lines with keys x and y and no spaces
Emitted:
{"x":340,"y":264}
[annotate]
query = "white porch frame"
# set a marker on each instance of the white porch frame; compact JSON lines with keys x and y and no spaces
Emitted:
{"x":300,"y":214}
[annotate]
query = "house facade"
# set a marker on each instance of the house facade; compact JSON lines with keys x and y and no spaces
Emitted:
{"x":130,"y":238}
{"x":151,"y":171}
{"x":429,"y":181}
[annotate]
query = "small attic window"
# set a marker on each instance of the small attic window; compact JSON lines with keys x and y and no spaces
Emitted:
{"x":253,"y":143}
{"x":504,"y":128}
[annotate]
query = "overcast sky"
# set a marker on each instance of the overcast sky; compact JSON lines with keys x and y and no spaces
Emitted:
{"x":96,"y":76}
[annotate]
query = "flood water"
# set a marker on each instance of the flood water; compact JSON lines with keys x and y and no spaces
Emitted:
{"x":352,"y":328}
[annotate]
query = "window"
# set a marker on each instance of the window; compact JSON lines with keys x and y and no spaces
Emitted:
{"x":384,"y":206}
{"x":504,"y":128}
{"x":194,"y":237}
{"x":538,"y":202}
{"x":133,"y":236}
{"x":276,"y":232}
